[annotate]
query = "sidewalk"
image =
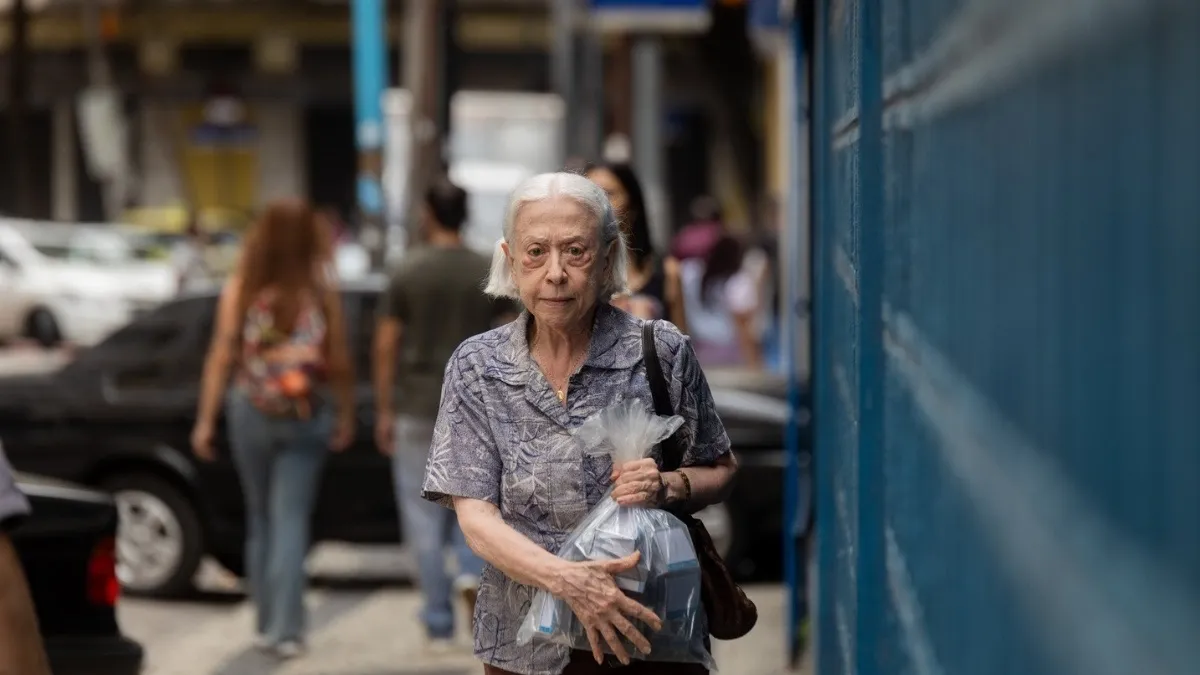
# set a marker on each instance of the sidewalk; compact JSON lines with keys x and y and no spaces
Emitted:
{"x":382,"y":638}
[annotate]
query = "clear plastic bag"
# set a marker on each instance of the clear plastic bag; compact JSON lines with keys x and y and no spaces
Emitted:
{"x":667,"y":577}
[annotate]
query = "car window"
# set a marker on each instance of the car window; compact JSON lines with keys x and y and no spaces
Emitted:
{"x":154,"y":329}
{"x":161,"y":349}
{"x":167,"y":347}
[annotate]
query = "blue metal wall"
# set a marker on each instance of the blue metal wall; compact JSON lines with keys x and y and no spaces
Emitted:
{"x":1007,"y":367}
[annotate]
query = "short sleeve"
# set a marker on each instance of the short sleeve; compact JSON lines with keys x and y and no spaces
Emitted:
{"x":464,"y":460}
{"x":393,"y":304}
{"x":13,"y":505}
{"x":704,"y":433}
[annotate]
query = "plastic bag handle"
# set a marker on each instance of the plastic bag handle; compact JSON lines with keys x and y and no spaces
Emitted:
{"x":672,"y":449}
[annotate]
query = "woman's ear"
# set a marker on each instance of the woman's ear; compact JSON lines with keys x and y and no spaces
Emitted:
{"x":610,"y":255}
{"x":610,"y":258}
{"x":512,"y":268}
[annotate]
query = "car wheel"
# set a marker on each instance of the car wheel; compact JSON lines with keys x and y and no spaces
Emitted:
{"x":43,"y":328}
{"x":159,"y":539}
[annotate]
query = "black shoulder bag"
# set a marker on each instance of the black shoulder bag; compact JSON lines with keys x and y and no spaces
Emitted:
{"x":730,"y":613}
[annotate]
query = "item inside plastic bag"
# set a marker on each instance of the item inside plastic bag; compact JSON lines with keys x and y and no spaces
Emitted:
{"x":667,"y":577}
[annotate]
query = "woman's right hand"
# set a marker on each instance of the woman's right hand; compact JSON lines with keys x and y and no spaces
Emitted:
{"x":202,"y":435}
{"x":603,"y":609}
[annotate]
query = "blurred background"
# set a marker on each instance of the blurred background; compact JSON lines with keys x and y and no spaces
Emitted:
{"x":968,"y":434}
{"x":139,"y":140}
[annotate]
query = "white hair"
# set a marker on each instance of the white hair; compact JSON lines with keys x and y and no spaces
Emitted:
{"x":500,"y":282}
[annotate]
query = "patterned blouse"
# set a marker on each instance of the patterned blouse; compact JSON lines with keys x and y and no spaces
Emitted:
{"x":281,"y":372}
{"x":503,"y":436}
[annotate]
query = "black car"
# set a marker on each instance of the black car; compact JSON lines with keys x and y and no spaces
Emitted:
{"x":119,"y":417}
{"x":67,"y":547}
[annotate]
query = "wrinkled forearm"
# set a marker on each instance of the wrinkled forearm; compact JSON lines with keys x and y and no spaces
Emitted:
{"x":710,"y":484}
{"x":21,"y":651}
{"x":508,"y":550}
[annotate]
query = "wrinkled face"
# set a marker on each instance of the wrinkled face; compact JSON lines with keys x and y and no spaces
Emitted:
{"x":556,"y":261}
{"x":617,"y":196}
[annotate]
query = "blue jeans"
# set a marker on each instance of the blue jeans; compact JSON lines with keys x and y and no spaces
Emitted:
{"x":279,"y":462}
{"x":429,"y":528}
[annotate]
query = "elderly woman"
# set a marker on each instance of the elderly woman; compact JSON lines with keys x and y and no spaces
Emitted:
{"x":503,"y":454}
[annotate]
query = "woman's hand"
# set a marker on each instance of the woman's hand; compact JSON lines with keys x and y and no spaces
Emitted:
{"x":343,"y":433}
{"x":202,"y":446}
{"x":638,"y":483}
{"x":603,"y":609}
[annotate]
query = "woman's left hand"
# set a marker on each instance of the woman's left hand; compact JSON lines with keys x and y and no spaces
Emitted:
{"x":638,"y":483}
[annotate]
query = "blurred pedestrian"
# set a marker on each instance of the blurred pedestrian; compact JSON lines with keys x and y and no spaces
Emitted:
{"x":21,"y":649}
{"x":280,"y":329}
{"x":697,"y":238}
{"x":434,"y":301}
{"x":763,"y":264}
{"x":723,"y":303}
{"x":654,"y":288}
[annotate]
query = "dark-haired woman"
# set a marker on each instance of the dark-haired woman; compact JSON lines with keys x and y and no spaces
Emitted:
{"x":654,"y":281}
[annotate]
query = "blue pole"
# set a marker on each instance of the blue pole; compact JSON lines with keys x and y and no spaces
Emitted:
{"x":368,"y":19}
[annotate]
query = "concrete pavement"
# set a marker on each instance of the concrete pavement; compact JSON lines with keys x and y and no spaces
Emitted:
{"x":363,"y":627}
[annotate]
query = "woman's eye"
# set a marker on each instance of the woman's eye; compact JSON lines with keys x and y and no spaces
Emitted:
{"x":575,"y":251}
{"x":536,"y":251}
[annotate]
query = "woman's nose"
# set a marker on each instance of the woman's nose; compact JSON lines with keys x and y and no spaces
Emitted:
{"x":557,"y":272}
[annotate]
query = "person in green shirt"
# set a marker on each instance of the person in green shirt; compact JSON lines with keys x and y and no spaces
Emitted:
{"x":434,"y":301}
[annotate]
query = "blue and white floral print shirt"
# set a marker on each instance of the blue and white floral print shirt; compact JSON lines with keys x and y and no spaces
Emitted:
{"x":503,"y":436}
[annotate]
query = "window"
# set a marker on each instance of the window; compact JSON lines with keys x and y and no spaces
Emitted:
{"x":161,"y":350}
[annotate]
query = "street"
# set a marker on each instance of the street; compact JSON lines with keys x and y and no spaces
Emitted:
{"x":362,"y":622}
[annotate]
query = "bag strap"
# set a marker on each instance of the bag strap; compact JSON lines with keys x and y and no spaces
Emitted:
{"x":672,"y":449}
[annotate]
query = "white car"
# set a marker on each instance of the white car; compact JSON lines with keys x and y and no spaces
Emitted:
{"x":77,"y":286}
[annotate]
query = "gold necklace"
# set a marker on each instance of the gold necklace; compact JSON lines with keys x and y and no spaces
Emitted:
{"x":561,"y":393}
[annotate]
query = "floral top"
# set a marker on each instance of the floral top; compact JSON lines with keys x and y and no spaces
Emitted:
{"x":279,"y":370}
{"x":503,"y":436}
